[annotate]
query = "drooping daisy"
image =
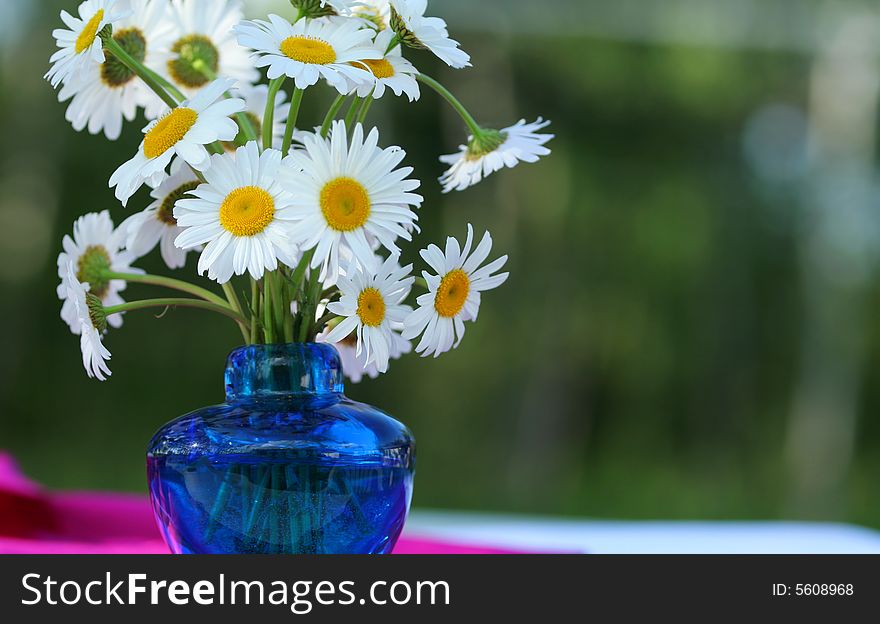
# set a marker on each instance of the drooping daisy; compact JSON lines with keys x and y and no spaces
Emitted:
{"x":255,"y":99}
{"x":184,"y":131}
{"x":103,"y":95}
{"x":485,"y":155}
{"x":79,"y":45}
{"x":204,"y":45}
{"x":242,"y":216}
{"x":90,"y":325}
{"x":349,"y":196}
{"x":453,"y":295}
{"x":94,"y":249}
{"x":338,"y":7}
{"x":377,"y":12}
{"x":311,"y":49}
{"x":427,"y":33}
{"x":313,"y":9}
{"x":391,"y":71}
{"x":371,"y":307}
{"x":354,"y":365}
{"x":156,"y":225}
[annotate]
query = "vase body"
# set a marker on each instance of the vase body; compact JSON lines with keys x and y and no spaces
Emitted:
{"x":287,"y":465}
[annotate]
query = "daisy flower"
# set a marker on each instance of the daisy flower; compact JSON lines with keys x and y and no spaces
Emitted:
{"x":311,"y":49}
{"x":371,"y":308}
{"x":454,"y":293}
{"x":427,"y":33}
{"x":204,"y":44}
{"x":354,"y":365}
{"x":184,"y":131}
{"x":313,"y":9}
{"x":492,"y":152}
{"x":255,"y":99}
{"x":156,"y":225}
{"x":79,"y":45}
{"x":349,"y":196}
{"x":338,"y":7}
{"x":94,"y":249}
{"x":101,"y":96}
{"x":94,"y":354}
{"x":242,"y":216}
{"x":377,"y":12}
{"x":391,"y":71}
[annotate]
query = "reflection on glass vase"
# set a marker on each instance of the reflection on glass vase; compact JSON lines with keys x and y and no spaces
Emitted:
{"x":286,"y":465}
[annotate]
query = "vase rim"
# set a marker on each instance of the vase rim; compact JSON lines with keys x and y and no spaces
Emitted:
{"x":283,"y":370}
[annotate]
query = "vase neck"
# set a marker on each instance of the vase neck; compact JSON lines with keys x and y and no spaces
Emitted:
{"x":283,"y":371}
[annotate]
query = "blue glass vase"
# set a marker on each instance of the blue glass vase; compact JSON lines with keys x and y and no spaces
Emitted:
{"x":287,"y":465}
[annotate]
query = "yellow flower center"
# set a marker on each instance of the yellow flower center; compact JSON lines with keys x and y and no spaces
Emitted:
{"x":371,"y":307}
{"x":169,"y":131}
{"x":309,"y":50}
{"x":345,"y":204}
{"x":247,"y":211}
{"x":87,"y":36}
{"x":381,"y":68}
{"x":452,"y":293}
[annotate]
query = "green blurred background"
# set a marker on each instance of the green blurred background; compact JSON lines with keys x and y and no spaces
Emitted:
{"x":689,"y":330}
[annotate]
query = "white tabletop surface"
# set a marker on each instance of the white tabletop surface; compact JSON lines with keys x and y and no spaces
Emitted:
{"x":542,"y":534}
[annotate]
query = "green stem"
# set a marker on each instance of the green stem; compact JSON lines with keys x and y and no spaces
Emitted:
{"x":167,"y":282}
{"x":250,"y":133}
{"x":197,"y":304}
{"x":113,"y":47}
{"x":323,"y":321}
{"x":331,"y":115}
{"x":352,"y":112}
{"x":310,"y":309}
{"x":296,"y":280}
{"x":268,"y":327}
{"x":235,"y":304}
{"x":269,"y":114}
{"x":168,"y":86}
{"x":255,"y":309}
{"x":453,"y":101}
{"x":295,"y":103}
{"x":220,"y":502}
{"x":365,"y":108}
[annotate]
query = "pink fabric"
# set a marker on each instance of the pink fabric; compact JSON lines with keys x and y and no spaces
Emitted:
{"x":36,"y":521}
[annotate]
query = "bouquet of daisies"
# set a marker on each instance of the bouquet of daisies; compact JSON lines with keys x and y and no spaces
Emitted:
{"x":299,"y":223}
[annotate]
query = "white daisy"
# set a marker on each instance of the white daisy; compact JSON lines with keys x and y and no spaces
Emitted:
{"x":371,"y":306}
{"x":94,"y":354}
{"x":354,"y":365}
{"x":494,"y":151}
{"x":156,"y":225}
{"x":242,"y":215}
{"x":349,"y":196}
{"x":103,"y":95}
{"x":184,"y":131}
{"x":454,"y":293}
{"x":391,"y":71}
{"x":428,"y":33}
{"x":255,"y":99}
{"x":81,"y":46}
{"x":94,"y":249}
{"x":376,"y":12}
{"x":339,"y":7}
{"x":310,"y":49}
{"x":204,"y":45}
{"x":313,"y":9}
